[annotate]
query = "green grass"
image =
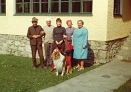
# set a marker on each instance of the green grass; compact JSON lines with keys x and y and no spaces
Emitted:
{"x":17,"y":75}
{"x":125,"y":87}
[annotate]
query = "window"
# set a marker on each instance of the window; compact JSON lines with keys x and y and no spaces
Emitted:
{"x":118,"y":5}
{"x":2,"y":6}
{"x":23,"y":6}
{"x":64,"y":3}
{"x":44,"y":6}
{"x":36,"y":6}
{"x":54,"y":6}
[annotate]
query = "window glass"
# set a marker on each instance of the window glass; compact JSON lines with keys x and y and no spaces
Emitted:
{"x":26,"y":6}
{"x":44,"y":7}
{"x":3,"y":6}
{"x":116,"y":6}
{"x":87,"y":6}
{"x":55,"y":6}
{"x":76,"y":5}
{"x":18,"y":1}
{"x":64,"y":5}
{"x":36,"y":0}
{"x":19,"y":8}
{"x":36,"y":6}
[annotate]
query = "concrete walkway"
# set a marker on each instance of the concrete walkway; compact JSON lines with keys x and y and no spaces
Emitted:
{"x":103,"y":79}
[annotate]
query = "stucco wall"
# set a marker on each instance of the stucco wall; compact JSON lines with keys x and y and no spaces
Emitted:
{"x":119,"y":26}
{"x":96,"y":24}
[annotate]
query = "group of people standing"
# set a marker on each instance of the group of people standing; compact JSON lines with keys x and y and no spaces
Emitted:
{"x":58,"y":37}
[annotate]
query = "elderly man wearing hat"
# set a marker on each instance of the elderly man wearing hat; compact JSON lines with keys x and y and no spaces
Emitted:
{"x":35,"y":34}
{"x":48,"y":41}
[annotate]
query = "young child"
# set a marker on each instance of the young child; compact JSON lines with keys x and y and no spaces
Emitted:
{"x":69,"y":52}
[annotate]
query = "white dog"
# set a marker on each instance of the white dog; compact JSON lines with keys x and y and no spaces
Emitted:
{"x":59,"y":62}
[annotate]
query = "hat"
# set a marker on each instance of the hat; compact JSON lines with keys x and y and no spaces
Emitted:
{"x":68,"y":21}
{"x":34,"y":19}
{"x":48,"y":19}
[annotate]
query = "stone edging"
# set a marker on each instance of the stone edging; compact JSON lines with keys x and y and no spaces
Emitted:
{"x":99,"y":51}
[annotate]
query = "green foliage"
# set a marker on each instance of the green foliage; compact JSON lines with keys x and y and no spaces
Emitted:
{"x":17,"y":75}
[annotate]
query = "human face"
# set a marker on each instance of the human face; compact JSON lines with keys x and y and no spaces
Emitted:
{"x":58,"y":23}
{"x":48,"y":23}
{"x":34,"y":23}
{"x":69,"y":24}
{"x":69,"y":42}
{"x":80,"y":25}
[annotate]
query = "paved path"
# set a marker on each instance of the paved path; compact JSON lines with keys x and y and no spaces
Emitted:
{"x":103,"y":79}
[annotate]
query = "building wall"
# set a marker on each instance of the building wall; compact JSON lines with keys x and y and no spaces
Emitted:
{"x":119,"y":26}
{"x":96,"y":24}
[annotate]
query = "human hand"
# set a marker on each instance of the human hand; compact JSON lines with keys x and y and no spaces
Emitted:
{"x":34,"y":36}
{"x":64,"y":36}
{"x":37,"y":36}
{"x":42,"y":32}
{"x":56,"y":42}
{"x":72,"y":44}
{"x":84,"y":47}
{"x":60,"y":42}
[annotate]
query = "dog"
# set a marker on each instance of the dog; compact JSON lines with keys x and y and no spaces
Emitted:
{"x":59,"y":62}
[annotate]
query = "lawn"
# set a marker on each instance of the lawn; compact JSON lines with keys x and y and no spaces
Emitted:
{"x":125,"y":87}
{"x":17,"y":75}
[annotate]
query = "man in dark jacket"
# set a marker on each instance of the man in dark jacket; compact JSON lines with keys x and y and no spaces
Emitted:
{"x":35,"y":34}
